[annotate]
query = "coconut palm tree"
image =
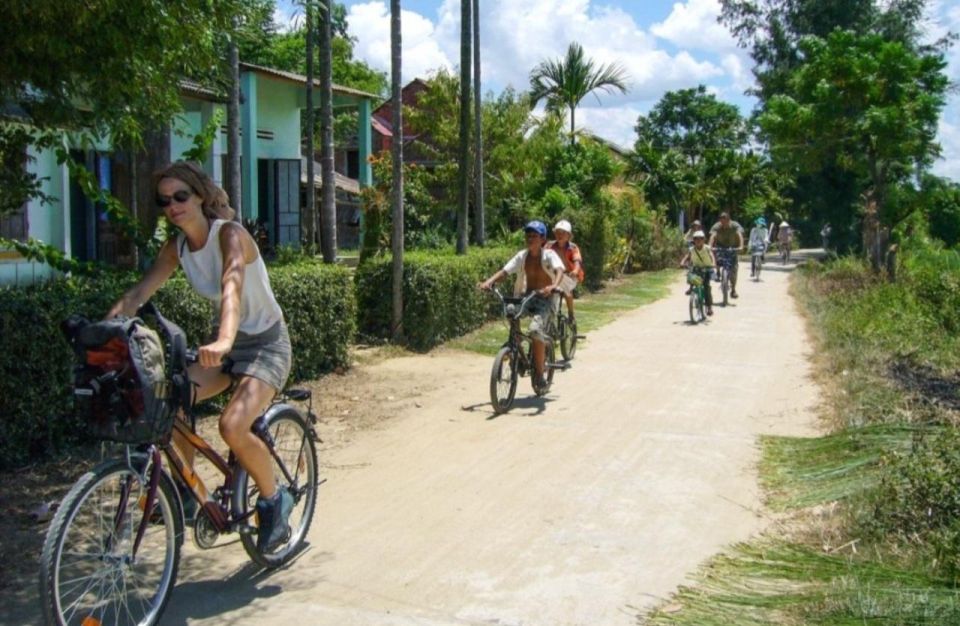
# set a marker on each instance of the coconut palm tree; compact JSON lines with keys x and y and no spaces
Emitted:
{"x":479,"y":221}
{"x":396,"y":57}
{"x":328,"y":192}
{"x":310,"y":210}
{"x":563,"y":83}
{"x":464,"y":157}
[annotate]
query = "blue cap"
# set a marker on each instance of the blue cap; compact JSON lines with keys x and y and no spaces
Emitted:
{"x":761,"y":221}
{"x":536,"y":226}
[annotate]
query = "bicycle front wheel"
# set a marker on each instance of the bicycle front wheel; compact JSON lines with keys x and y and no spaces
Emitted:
{"x":694,"y":312}
{"x":89,"y":573}
{"x":725,"y":285}
{"x":295,"y":449}
{"x":503,"y":380}
{"x":758,"y":265}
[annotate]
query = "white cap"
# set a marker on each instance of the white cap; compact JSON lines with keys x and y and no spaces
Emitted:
{"x":564,"y":225}
{"x":699,"y":233}
{"x":782,"y":224}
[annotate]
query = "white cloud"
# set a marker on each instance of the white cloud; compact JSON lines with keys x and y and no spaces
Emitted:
{"x":614,"y":123}
{"x":517,"y":35}
{"x":693,"y":24}
{"x":287,"y":18}
{"x":370,"y":24}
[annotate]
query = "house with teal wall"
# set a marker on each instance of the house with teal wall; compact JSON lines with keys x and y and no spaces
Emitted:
{"x":272,"y":181}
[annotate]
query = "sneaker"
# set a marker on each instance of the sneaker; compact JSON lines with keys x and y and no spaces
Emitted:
{"x":733,"y":294}
{"x":687,"y":292}
{"x":273,"y":514}
{"x":709,"y":311}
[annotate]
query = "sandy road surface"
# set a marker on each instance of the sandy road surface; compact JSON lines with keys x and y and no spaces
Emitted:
{"x":583,"y":508}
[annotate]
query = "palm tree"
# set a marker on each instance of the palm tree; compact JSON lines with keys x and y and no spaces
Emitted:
{"x":563,"y":83}
{"x":310,"y":210}
{"x":479,"y":222}
{"x":232,"y":175}
{"x":396,"y":56}
{"x":464,"y":158}
{"x":328,"y":197}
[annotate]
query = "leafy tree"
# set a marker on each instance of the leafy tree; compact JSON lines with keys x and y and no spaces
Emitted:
{"x":941,"y":198}
{"x":690,"y":154}
{"x":106,"y":69}
{"x":864,"y":106}
{"x":564,"y":83}
{"x":694,"y":123}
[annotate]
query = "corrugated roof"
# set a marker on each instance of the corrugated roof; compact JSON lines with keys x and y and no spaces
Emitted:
{"x":350,"y":185}
{"x":192,"y":88}
{"x":302,"y":80}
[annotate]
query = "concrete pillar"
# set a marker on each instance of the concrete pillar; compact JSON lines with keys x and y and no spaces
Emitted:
{"x":364,"y":141}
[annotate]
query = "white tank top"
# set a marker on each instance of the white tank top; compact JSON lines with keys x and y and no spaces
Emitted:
{"x":204,"y":269}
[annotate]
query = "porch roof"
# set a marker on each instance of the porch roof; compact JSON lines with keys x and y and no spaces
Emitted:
{"x":300,"y":79}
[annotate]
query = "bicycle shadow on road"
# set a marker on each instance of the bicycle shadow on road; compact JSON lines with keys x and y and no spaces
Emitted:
{"x":538,"y":404}
{"x":204,"y":599}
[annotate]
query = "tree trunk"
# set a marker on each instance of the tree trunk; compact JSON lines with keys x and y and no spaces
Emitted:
{"x":396,"y":148}
{"x":328,"y":203}
{"x":573,"y":111}
{"x":232,"y":175}
{"x":464,"y":173}
{"x":309,"y":219}
{"x":479,"y":219}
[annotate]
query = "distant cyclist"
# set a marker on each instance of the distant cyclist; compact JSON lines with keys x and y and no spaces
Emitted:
{"x":572,"y":260}
{"x":785,"y":240}
{"x":727,"y":233}
{"x":694,"y":227}
{"x":759,"y":238}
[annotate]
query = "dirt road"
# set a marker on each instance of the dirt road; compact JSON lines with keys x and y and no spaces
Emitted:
{"x":585,"y":507}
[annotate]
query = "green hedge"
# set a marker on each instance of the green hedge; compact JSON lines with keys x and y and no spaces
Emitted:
{"x":317,"y":300}
{"x":439,"y":294}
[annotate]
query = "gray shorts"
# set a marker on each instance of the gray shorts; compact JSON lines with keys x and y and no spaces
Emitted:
{"x":266,"y":356}
{"x":542,"y":312}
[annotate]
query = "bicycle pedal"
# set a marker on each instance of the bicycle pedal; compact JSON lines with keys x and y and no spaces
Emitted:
{"x":563,"y":366}
{"x":581,"y":336}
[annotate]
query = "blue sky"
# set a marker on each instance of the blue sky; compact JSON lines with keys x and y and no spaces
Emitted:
{"x":663,"y":46}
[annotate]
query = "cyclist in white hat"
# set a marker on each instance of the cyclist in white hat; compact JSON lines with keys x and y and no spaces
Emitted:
{"x":572,"y":261}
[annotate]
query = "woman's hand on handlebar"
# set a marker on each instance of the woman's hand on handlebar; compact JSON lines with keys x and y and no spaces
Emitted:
{"x":547,"y":291}
{"x":212,"y":354}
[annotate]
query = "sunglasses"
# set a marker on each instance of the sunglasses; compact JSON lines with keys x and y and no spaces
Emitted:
{"x":179,"y":197}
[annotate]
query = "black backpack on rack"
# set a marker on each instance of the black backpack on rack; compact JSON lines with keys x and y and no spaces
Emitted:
{"x":128,"y":382}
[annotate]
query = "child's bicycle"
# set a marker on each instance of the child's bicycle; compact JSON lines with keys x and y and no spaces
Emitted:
{"x":112,"y":551}
{"x":697,"y":296}
{"x":515,"y":358}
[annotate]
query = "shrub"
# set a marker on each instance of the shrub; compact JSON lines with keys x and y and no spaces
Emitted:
{"x":439,"y":294}
{"x":35,"y":404}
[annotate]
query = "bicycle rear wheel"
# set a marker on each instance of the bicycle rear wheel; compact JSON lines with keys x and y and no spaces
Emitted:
{"x":568,"y":337}
{"x":88,"y":572}
{"x":503,"y":380}
{"x":294,"y":445}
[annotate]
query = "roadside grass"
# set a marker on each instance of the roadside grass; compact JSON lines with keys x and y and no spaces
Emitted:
{"x":593,"y":310}
{"x":883,"y":484}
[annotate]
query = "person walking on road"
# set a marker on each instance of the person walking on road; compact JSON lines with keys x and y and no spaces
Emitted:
{"x":727,"y":233}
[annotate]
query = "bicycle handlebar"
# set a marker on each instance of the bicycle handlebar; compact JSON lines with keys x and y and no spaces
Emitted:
{"x":523,"y":302}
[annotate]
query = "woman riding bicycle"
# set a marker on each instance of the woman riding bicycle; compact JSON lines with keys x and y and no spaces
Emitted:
{"x":222,"y":262}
